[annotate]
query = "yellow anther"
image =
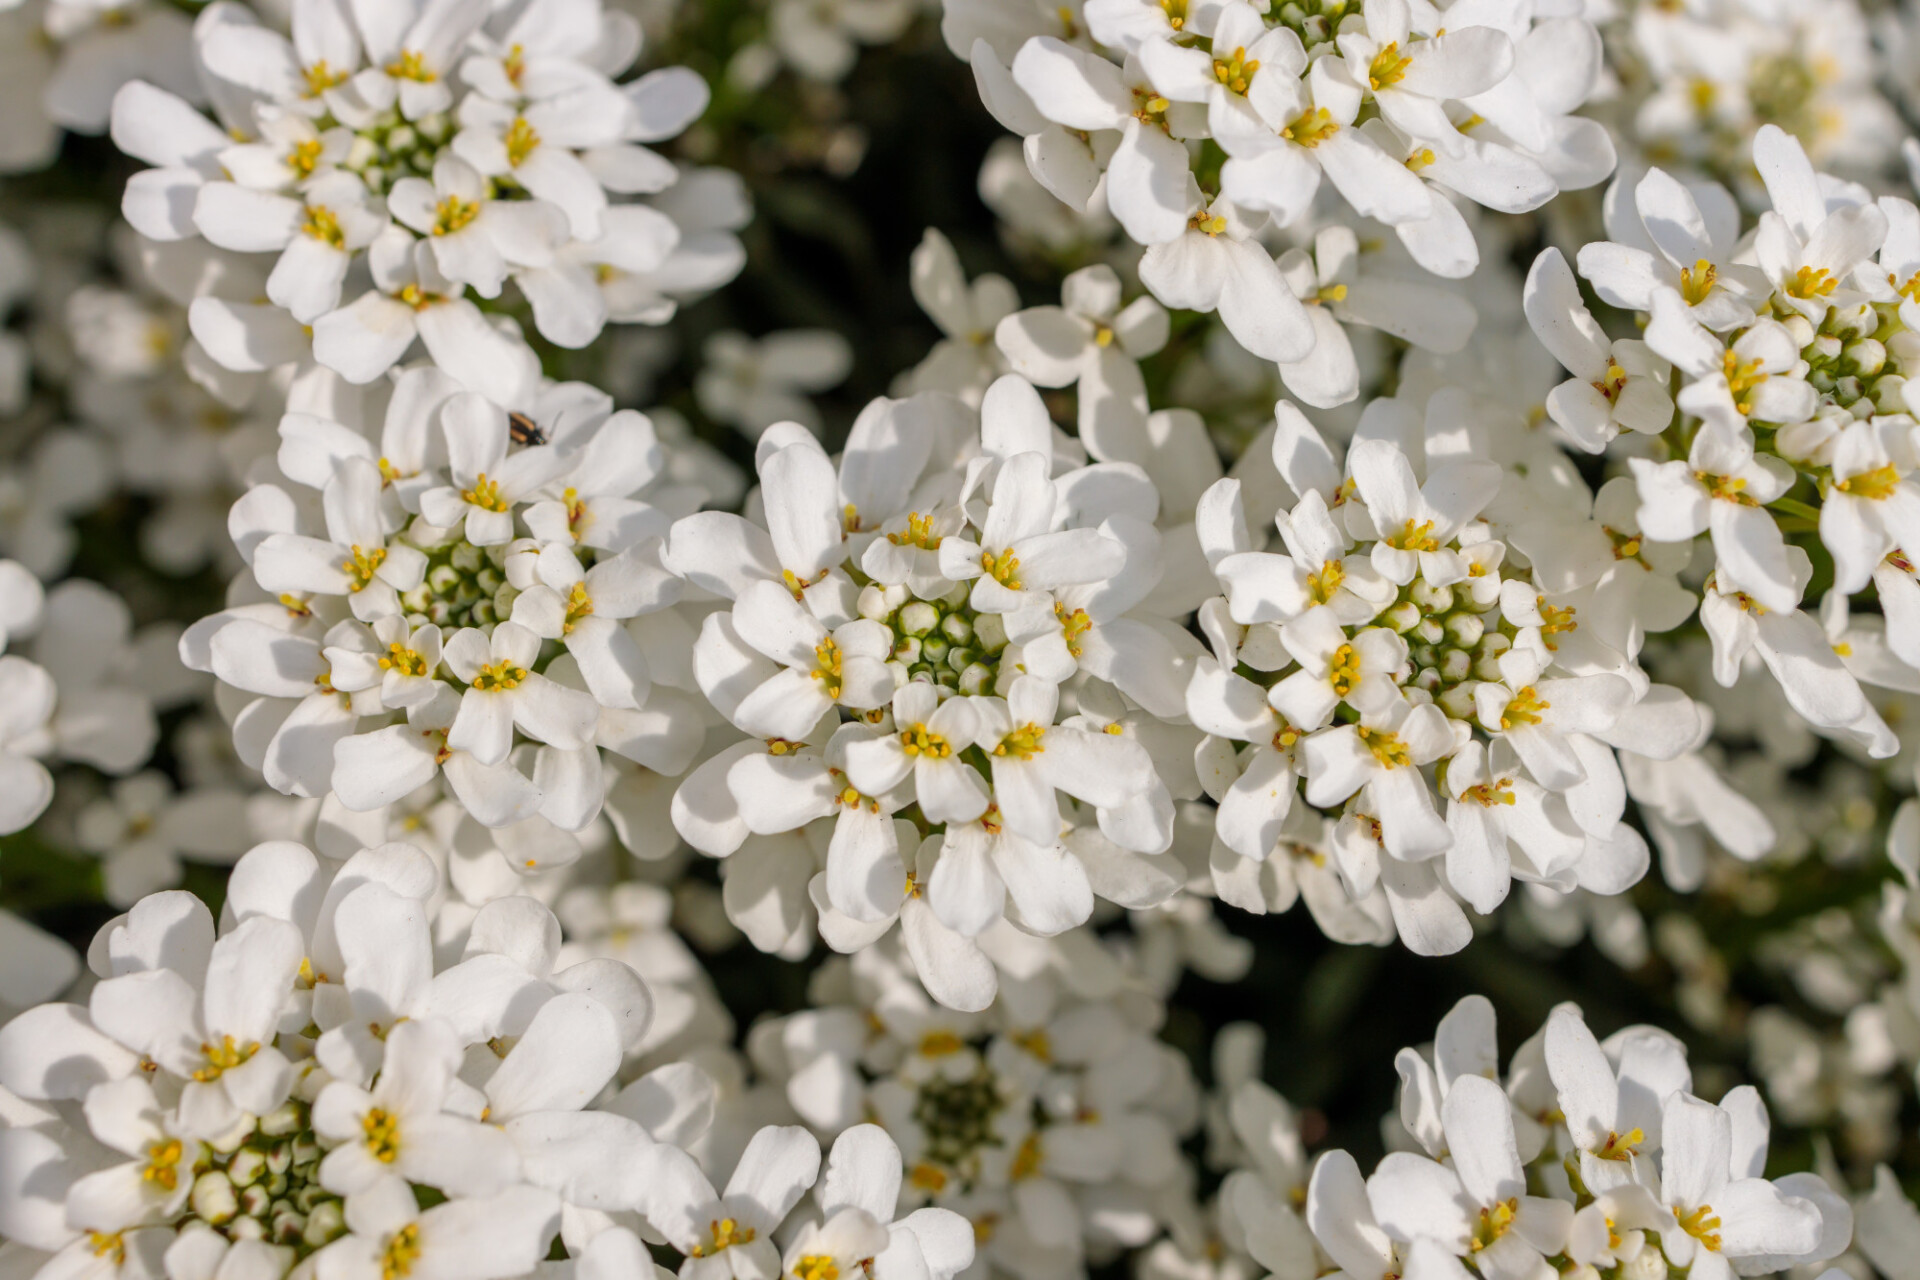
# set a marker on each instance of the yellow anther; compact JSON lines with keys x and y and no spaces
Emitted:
{"x":361,"y":568}
{"x":1490,"y":793}
{"x":922,"y":742}
{"x":163,"y":1164}
{"x":1344,"y":671}
{"x":1420,"y":159}
{"x":304,"y":158}
{"x":1525,"y":708}
{"x":402,"y":1251}
{"x":817,"y":1266}
{"x":827,"y":666}
{"x":323,"y":226}
{"x":1493,"y":1223}
{"x":940,"y":1044}
{"x":1389,"y":67}
{"x":412,"y":65}
{"x":1703,"y":1224}
{"x":1236,"y":72}
{"x":1386,"y":747}
{"x":1414,"y":537}
{"x":414,"y":296}
{"x":1103,"y":335}
{"x":521,"y":141}
{"x":918,"y":533}
{"x":723,"y":1233}
{"x":1621,"y":1146}
{"x":926,"y":1177}
{"x":1311,"y":128}
{"x":850,"y":519}
{"x":1697,"y":281}
{"x":1725,"y":488}
{"x":486,"y":494}
{"x":224,"y":1056}
{"x":320,"y":77}
{"x":1878,"y":484}
{"x":1211,"y":223}
{"x":453,"y":213}
{"x":1909,"y":290}
{"x":579,"y":605}
{"x":1003,"y":568}
{"x":1176,"y":11}
{"x":1812,"y":282}
{"x":1026,"y":1161}
{"x":1329,"y":293}
{"x":1613,"y":383}
{"x":498,"y":677}
{"x":1073,"y":625}
{"x":1022,"y":743}
{"x":408,"y":662}
{"x":382,"y":1130}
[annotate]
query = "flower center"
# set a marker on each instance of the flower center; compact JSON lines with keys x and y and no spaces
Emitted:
{"x":383,"y":1134}
{"x":1524,"y":709}
{"x":1621,"y":1146}
{"x":321,"y":223}
{"x":1613,"y":384}
{"x":412,"y":65}
{"x":408,"y":662}
{"x":521,"y":140}
{"x":827,"y":666}
{"x":1023,"y":743}
{"x":1003,"y":568}
{"x":1389,"y":67}
{"x":223,"y":1057}
{"x":361,"y":568}
{"x":453,"y":213}
{"x":1494,"y":1223}
{"x":1703,"y":1224}
{"x":402,"y":1251}
{"x":1725,"y":488}
{"x":1414,"y":537}
{"x":923,"y":742}
{"x":163,"y":1164}
{"x":1877,"y":484}
{"x":1386,"y":747}
{"x":498,"y":677}
{"x":304,"y":158}
{"x":1311,"y":128}
{"x":1343,"y":672}
{"x":579,"y":605}
{"x":723,"y":1233}
{"x":1236,"y":72}
{"x":1812,"y":282}
{"x":485,"y":494}
{"x":817,"y":1266}
{"x":1697,"y":281}
{"x":1073,"y":626}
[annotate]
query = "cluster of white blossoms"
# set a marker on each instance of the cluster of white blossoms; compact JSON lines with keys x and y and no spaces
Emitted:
{"x":1591,"y":1157}
{"x":1764,"y":410}
{"x":770,"y":838}
{"x":381,"y":174}
{"x":1203,"y":127}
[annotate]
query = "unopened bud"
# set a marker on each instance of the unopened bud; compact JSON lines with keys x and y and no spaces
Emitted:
{"x":213,"y":1197}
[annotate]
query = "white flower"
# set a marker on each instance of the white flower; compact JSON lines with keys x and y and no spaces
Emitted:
{"x":1382,"y":755}
{"x":1615,"y":386}
{"x":1725,"y":1211}
{"x":504,"y":693}
{"x":1723,"y":490}
{"x":730,"y":1234}
{"x":1678,"y":236}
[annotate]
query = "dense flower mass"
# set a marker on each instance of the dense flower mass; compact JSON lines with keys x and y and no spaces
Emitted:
{"x":718,"y":637}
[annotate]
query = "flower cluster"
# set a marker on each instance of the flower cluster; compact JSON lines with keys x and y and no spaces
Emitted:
{"x":382,"y":173}
{"x":1591,"y":1156}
